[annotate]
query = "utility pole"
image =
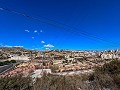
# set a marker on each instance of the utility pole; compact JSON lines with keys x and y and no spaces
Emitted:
{"x":42,"y":53}
{"x":31,"y":55}
{"x":42,"y":60}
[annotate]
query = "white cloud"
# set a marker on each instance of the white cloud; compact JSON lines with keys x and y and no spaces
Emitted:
{"x":35,"y":31}
{"x":42,"y":41}
{"x":1,"y":9}
{"x":33,"y":37}
{"x":27,"y":31}
{"x":49,"y":46}
{"x":17,"y":46}
{"x":2,"y":45}
{"x":10,"y":46}
{"x":41,"y":31}
{"x":7,"y":46}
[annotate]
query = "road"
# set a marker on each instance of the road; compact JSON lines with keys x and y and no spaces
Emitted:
{"x":7,"y":68}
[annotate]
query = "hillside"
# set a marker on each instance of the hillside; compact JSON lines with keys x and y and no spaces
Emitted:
{"x":104,"y":78}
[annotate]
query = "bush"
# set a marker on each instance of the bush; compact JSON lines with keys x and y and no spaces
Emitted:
{"x":108,"y":75}
{"x":13,"y":61}
{"x":54,"y":68}
{"x":50,"y":82}
{"x":15,"y":83}
{"x":7,"y":62}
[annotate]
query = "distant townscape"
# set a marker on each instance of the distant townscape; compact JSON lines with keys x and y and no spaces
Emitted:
{"x":57,"y":62}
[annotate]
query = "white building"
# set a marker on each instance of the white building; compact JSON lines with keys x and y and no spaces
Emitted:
{"x":22,"y":57}
{"x":109,"y":56}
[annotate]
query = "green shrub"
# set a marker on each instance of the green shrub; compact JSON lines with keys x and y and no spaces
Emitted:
{"x":7,"y":62}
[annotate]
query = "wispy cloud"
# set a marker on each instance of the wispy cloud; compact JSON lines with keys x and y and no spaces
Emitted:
{"x":35,"y":31}
{"x":7,"y":46}
{"x":49,"y":46}
{"x":43,"y":42}
{"x":17,"y":46}
{"x":41,"y":31}
{"x":11,"y":46}
{"x":27,"y":31}
{"x":36,"y":48}
{"x":33,"y":37}
{"x":1,"y":9}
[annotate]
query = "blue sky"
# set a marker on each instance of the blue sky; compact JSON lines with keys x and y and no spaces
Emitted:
{"x":97,"y":18}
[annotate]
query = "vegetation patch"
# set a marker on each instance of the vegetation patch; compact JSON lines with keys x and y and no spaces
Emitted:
{"x":7,"y":62}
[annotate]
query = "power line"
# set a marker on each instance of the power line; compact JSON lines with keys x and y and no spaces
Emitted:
{"x":61,"y":25}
